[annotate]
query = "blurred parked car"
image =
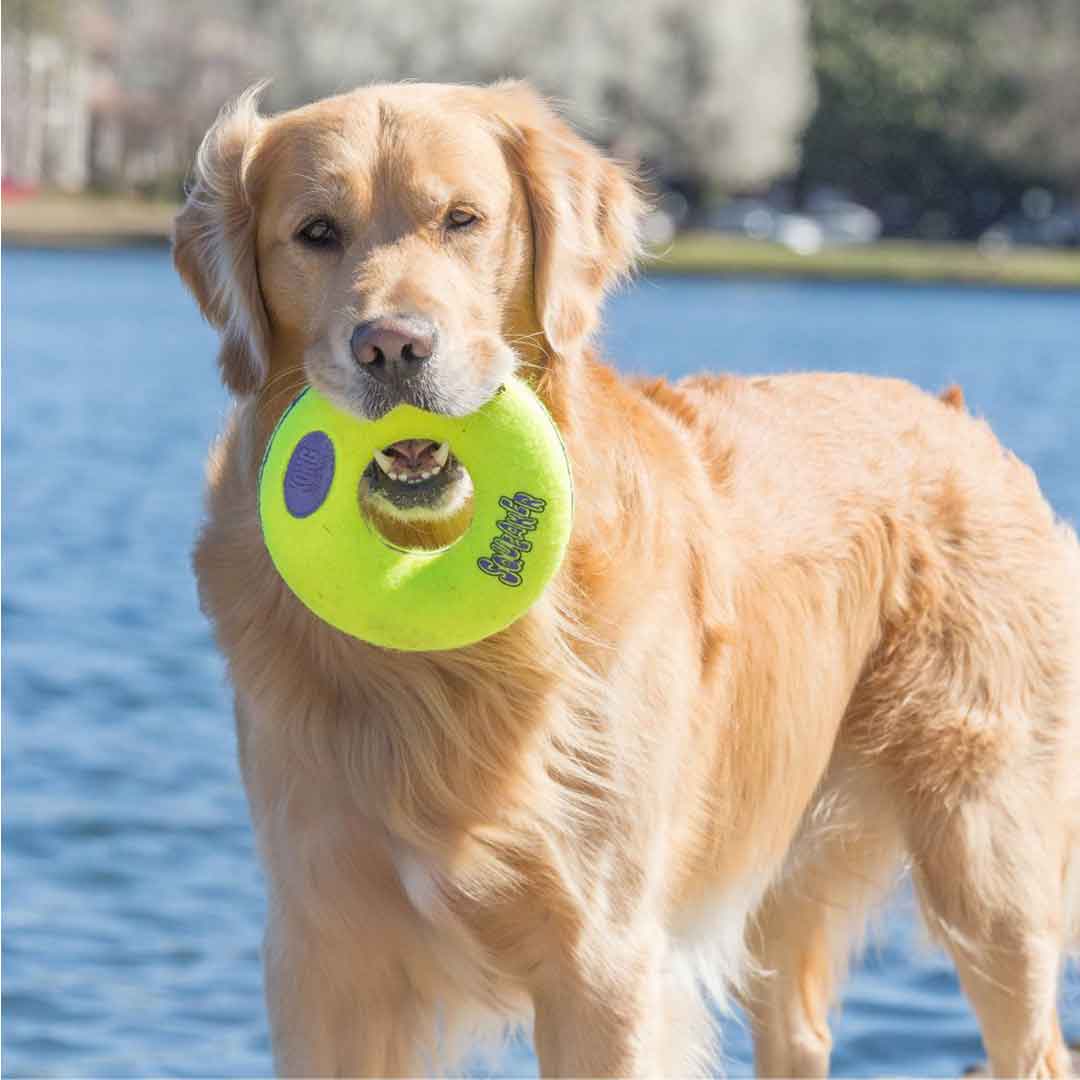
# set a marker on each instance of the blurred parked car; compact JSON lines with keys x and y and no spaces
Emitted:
{"x":829,"y":220}
{"x":744,"y":217}
{"x":842,"y":220}
{"x":666,"y":217}
{"x":1059,"y":228}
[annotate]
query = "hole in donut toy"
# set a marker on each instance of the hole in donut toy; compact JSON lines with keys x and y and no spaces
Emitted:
{"x":417,"y":495}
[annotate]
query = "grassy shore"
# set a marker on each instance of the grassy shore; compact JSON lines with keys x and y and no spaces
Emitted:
{"x":67,"y":222}
{"x":896,"y":260}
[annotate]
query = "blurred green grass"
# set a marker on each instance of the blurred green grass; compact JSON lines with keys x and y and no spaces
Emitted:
{"x":86,"y":221}
{"x":66,"y":221}
{"x":894,"y":260}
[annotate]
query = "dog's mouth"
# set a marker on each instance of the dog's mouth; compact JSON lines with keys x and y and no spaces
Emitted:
{"x":414,"y":473}
{"x":413,"y":461}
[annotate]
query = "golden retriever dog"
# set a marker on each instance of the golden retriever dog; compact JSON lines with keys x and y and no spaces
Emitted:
{"x":809,"y":629}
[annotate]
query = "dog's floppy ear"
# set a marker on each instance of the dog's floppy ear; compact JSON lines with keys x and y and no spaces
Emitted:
{"x":214,"y":243}
{"x":585,"y":215}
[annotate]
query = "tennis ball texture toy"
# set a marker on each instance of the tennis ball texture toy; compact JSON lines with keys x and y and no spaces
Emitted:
{"x":349,"y":575}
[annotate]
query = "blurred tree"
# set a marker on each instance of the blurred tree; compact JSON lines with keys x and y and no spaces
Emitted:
{"x":32,"y":16}
{"x":718,"y":92}
{"x":43,"y":96}
{"x":715,"y":92}
{"x":947,"y":106}
{"x":168,"y":68}
{"x":1034,"y":46}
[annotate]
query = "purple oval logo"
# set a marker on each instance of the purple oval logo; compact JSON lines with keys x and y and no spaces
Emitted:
{"x":309,"y":474}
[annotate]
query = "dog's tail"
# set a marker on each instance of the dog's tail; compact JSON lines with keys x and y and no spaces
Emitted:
{"x":953,"y":396}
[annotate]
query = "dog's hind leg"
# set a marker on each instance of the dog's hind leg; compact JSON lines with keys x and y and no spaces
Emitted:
{"x":844,"y":859}
{"x":989,"y":873}
{"x":789,"y":1000}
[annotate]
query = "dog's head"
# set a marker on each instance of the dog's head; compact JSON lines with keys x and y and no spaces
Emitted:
{"x":408,"y":243}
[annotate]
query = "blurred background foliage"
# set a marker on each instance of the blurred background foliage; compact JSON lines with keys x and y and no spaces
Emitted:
{"x":942,"y":116}
{"x":957,"y":106}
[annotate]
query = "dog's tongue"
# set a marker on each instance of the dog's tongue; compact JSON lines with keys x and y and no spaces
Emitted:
{"x":414,"y":454}
{"x":413,"y":460}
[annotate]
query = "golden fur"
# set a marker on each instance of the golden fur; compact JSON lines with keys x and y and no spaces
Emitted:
{"x":808,"y":627}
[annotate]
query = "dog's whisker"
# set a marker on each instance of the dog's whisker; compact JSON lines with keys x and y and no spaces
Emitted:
{"x":267,"y":392}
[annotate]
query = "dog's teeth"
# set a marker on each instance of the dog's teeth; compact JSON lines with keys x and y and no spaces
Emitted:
{"x":441,"y":453}
{"x":436,"y":470}
{"x":385,"y":462}
{"x":425,"y":476}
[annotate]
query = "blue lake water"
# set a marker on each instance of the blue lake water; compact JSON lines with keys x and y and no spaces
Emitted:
{"x":132,"y":904}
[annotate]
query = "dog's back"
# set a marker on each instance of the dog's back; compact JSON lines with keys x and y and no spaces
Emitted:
{"x":959,"y":744}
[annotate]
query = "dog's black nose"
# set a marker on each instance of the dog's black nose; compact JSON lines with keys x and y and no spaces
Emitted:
{"x":393,"y":348}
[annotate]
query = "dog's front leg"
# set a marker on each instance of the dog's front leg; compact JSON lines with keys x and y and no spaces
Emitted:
{"x":607,"y":1010}
{"x":339,"y":1006}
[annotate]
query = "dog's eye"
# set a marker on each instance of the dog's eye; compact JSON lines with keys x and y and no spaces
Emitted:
{"x":318,"y":233}
{"x":459,"y":218}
